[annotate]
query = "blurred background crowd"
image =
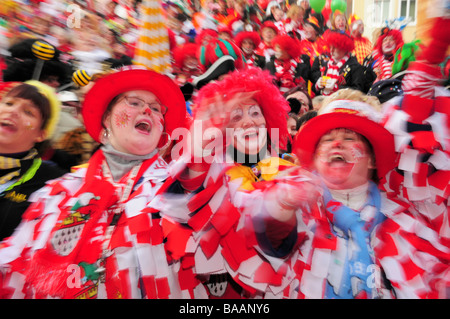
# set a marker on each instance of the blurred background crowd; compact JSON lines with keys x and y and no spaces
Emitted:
{"x":299,"y":42}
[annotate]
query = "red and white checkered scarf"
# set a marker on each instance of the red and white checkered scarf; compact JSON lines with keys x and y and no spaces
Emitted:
{"x":383,"y":64}
{"x":333,"y":68}
{"x":285,"y":73}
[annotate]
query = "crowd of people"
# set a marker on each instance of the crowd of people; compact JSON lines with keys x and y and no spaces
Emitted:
{"x":311,"y":163}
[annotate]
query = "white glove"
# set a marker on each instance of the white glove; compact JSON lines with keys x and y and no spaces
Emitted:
{"x":329,"y":84}
{"x":320,"y":83}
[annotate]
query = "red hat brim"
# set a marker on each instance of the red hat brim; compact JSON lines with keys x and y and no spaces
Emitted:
{"x":382,"y":140}
{"x":108,"y":87}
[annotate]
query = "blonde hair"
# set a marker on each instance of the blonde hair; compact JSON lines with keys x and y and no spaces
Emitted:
{"x":317,"y":102}
{"x":293,"y":10}
{"x":353,"y":95}
{"x":333,"y":19}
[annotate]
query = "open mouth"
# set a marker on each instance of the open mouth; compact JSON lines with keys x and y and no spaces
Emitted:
{"x":252,"y":139}
{"x":337,"y":160}
{"x":389,"y":48}
{"x":143,"y":127}
{"x":250,"y":135}
{"x":247,"y":134}
{"x":8,"y":125}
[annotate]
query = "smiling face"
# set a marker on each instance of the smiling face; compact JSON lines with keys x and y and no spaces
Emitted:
{"x":343,"y":158}
{"x":388,"y":45}
{"x":190,"y":62}
{"x":248,"y":124}
{"x":135,"y":122}
{"x":268,"y":34}
{"x":247,"y":46}
{"x":340,"y":22}
{"x":310,"y":32}
{"x":278,"y":14}
{"x":20,"y":125}
{"x":357,"y":28}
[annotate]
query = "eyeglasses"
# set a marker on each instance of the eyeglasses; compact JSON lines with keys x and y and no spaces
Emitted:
{"x":155,"y":106}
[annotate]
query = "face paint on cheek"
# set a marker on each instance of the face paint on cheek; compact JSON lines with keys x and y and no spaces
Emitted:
{"x":122,"y":118}
{"x":321,"y":154}
{"x":28,"y":126}
{"x":358,"y":153}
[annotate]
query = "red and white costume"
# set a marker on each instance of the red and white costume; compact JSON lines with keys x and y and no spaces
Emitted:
{"x":57,"y":250}
{"x":383,"y":62}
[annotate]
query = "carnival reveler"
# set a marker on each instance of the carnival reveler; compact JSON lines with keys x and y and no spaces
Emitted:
{"x":202,"y":210}
{"x":28,"y":116}
{"x":95,"y":233}
{"x":383,"y":230}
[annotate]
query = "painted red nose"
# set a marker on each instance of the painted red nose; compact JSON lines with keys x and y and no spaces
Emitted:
{"x":148,"y":111}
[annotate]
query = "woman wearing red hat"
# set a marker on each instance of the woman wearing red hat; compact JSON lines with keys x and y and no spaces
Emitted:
{"x":341,"y":69}
{"x":96,"y":233}
{"x":382,"y":230}
{"x":206,"y":198}
{"x":348,"y":150}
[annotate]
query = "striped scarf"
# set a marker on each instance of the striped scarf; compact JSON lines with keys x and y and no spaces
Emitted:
{"x":285,"y":72}
{"x":8,"y":163}
{"x":333,"y":72}
{"x":384,"y":66}
{"x":420,"y":83}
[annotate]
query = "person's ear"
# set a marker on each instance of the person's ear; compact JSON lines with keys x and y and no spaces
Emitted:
{"x":41,"y":136}
{"x":372,"y":162}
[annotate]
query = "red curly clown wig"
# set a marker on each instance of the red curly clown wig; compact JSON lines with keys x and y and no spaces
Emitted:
{"x":184,"y":51}
{"x":396,"y":34}
{"x":206,"y":34}
{"x":271,"y":25}
{"x":251,"y":35}
{"x":288,"y":44}
{"x":340,"y":40}
{"x":255,"y":83}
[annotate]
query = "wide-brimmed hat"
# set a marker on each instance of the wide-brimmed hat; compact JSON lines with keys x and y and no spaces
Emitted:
{"x":353,"y":115}
{"x":129,"y":79}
